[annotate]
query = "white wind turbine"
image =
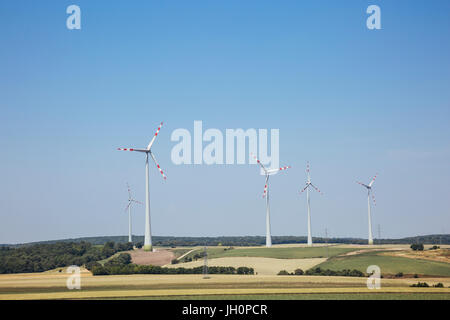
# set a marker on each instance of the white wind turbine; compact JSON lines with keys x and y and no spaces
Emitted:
{"x":369,"y":192}
{"x":309,"y":184}
{"x":128,"y":208}
{"x":148,"y":235}
{"x":267,"y":173}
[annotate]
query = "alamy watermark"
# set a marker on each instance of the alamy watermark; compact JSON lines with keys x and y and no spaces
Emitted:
{"x":74,"y":280}
{"x":229,"y":148}
{"x":374,"y":280}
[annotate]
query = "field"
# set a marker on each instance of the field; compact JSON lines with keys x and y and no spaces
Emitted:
{"x":389,"y":264}
{"x":277,"y":252}
{"x":53,"y":286}
{"x":263,"y":266}
{"x":265,"y":285}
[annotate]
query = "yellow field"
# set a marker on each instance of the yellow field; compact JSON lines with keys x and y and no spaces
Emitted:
{"x":53,"y":285}
{"x":262,"y":266}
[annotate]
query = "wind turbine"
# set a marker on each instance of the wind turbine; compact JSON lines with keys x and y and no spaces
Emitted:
{"x":309,"y":184}
{"x":128,"y":208}
{"x":147,"y":151}
{"x":369,"y":192}
{"x":267,"y":173}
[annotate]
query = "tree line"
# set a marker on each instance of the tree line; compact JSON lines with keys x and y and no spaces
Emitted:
{"x":167,"y":241}
{"x":43,"y":257}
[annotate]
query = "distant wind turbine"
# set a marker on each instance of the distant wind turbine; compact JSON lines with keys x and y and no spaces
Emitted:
{"x":309,"y":184}
{"x":128,"y":208}
{"x":267,"y":173}
{"x":148,"y":235}
{"x":369,"y":192}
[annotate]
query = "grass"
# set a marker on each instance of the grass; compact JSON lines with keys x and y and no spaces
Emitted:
{"x":388,"y":264}
{"x":178,"y":252}
{"x":278,"y":253}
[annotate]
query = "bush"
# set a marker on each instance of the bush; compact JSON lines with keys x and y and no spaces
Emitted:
{"x":420,"y":285}
{"x":283,"y":273}
{"x":174,"y":261}
{"x":399,"y":275}
{"x":417,"y":247}
{"x":139,"y":269}
{"x":438,"y":285}
{"x":138,"y":245}
{"x":298,"y":272}
{"x":245,"y":270}
{"x":416,"y":275}
{"x":343,"y":273}
{"x":120,"y":260}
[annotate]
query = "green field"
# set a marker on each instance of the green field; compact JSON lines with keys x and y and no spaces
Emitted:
{"x":388,"y":264}
{"x":278,"y":253}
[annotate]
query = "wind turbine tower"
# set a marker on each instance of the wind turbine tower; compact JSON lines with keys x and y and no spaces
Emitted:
{"x":148,"y":152}
{"x":308,"y":185}
{"x":369,"y":193}
{"x":128,"y":208}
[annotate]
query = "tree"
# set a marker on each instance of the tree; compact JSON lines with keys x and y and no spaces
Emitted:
{"x":283,"y":273}
{"x":298,"y":272}
{"x":417,"y":246}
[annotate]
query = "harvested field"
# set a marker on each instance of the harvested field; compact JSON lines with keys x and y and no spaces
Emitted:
{"x":263,"y":266}
{"x":53,"y":286}
{"x":157,"y":258}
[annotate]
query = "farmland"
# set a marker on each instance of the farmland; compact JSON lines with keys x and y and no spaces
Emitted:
{"x":388,"y":264}
{"x":277,"y":252}
{"x":263,"y":285}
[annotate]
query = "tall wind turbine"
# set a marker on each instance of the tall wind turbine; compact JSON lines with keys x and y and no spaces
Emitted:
{"x":267,"y":173}
{"x":309,"y":184}
{"x":128,"y":208}
{"x":147,"y":151}
{"x":369,"y":192}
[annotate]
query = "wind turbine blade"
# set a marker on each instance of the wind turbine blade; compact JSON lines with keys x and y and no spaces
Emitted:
{"x":132,"y":149}
{"x":132,"y":200}
{"x":307,"y":185}
{"x":265,"y":186}
{"x":157,"y":165}
{"x":129,"y":204}
{"x":316,"y":189}
{"x":129,"y":191}
{"x":364,"y":185}
{"x":307,"y":171}
{"x":277,"y":169}
{"x":259,"y":162}
{"x":154,"y":137}
{"x":373,"y":180}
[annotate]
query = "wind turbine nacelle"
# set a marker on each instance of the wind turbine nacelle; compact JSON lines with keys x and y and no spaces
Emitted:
{"x":269,"y":172}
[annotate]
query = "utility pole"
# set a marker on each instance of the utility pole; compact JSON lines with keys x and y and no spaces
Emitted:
{"x":205,"y":264}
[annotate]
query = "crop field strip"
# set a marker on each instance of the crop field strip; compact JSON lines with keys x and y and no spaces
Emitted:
{"x":277,"y":253}
{"x":389,"y":264}
{"x":220,"y":292}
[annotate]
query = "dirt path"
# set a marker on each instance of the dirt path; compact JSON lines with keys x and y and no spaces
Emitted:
{"x":157,"y":258}
{"x":184,"y":255}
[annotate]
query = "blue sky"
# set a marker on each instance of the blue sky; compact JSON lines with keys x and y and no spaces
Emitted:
{"x":350,"y":100}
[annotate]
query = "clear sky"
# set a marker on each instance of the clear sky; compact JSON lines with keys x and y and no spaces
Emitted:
{"x":352,"y":101}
